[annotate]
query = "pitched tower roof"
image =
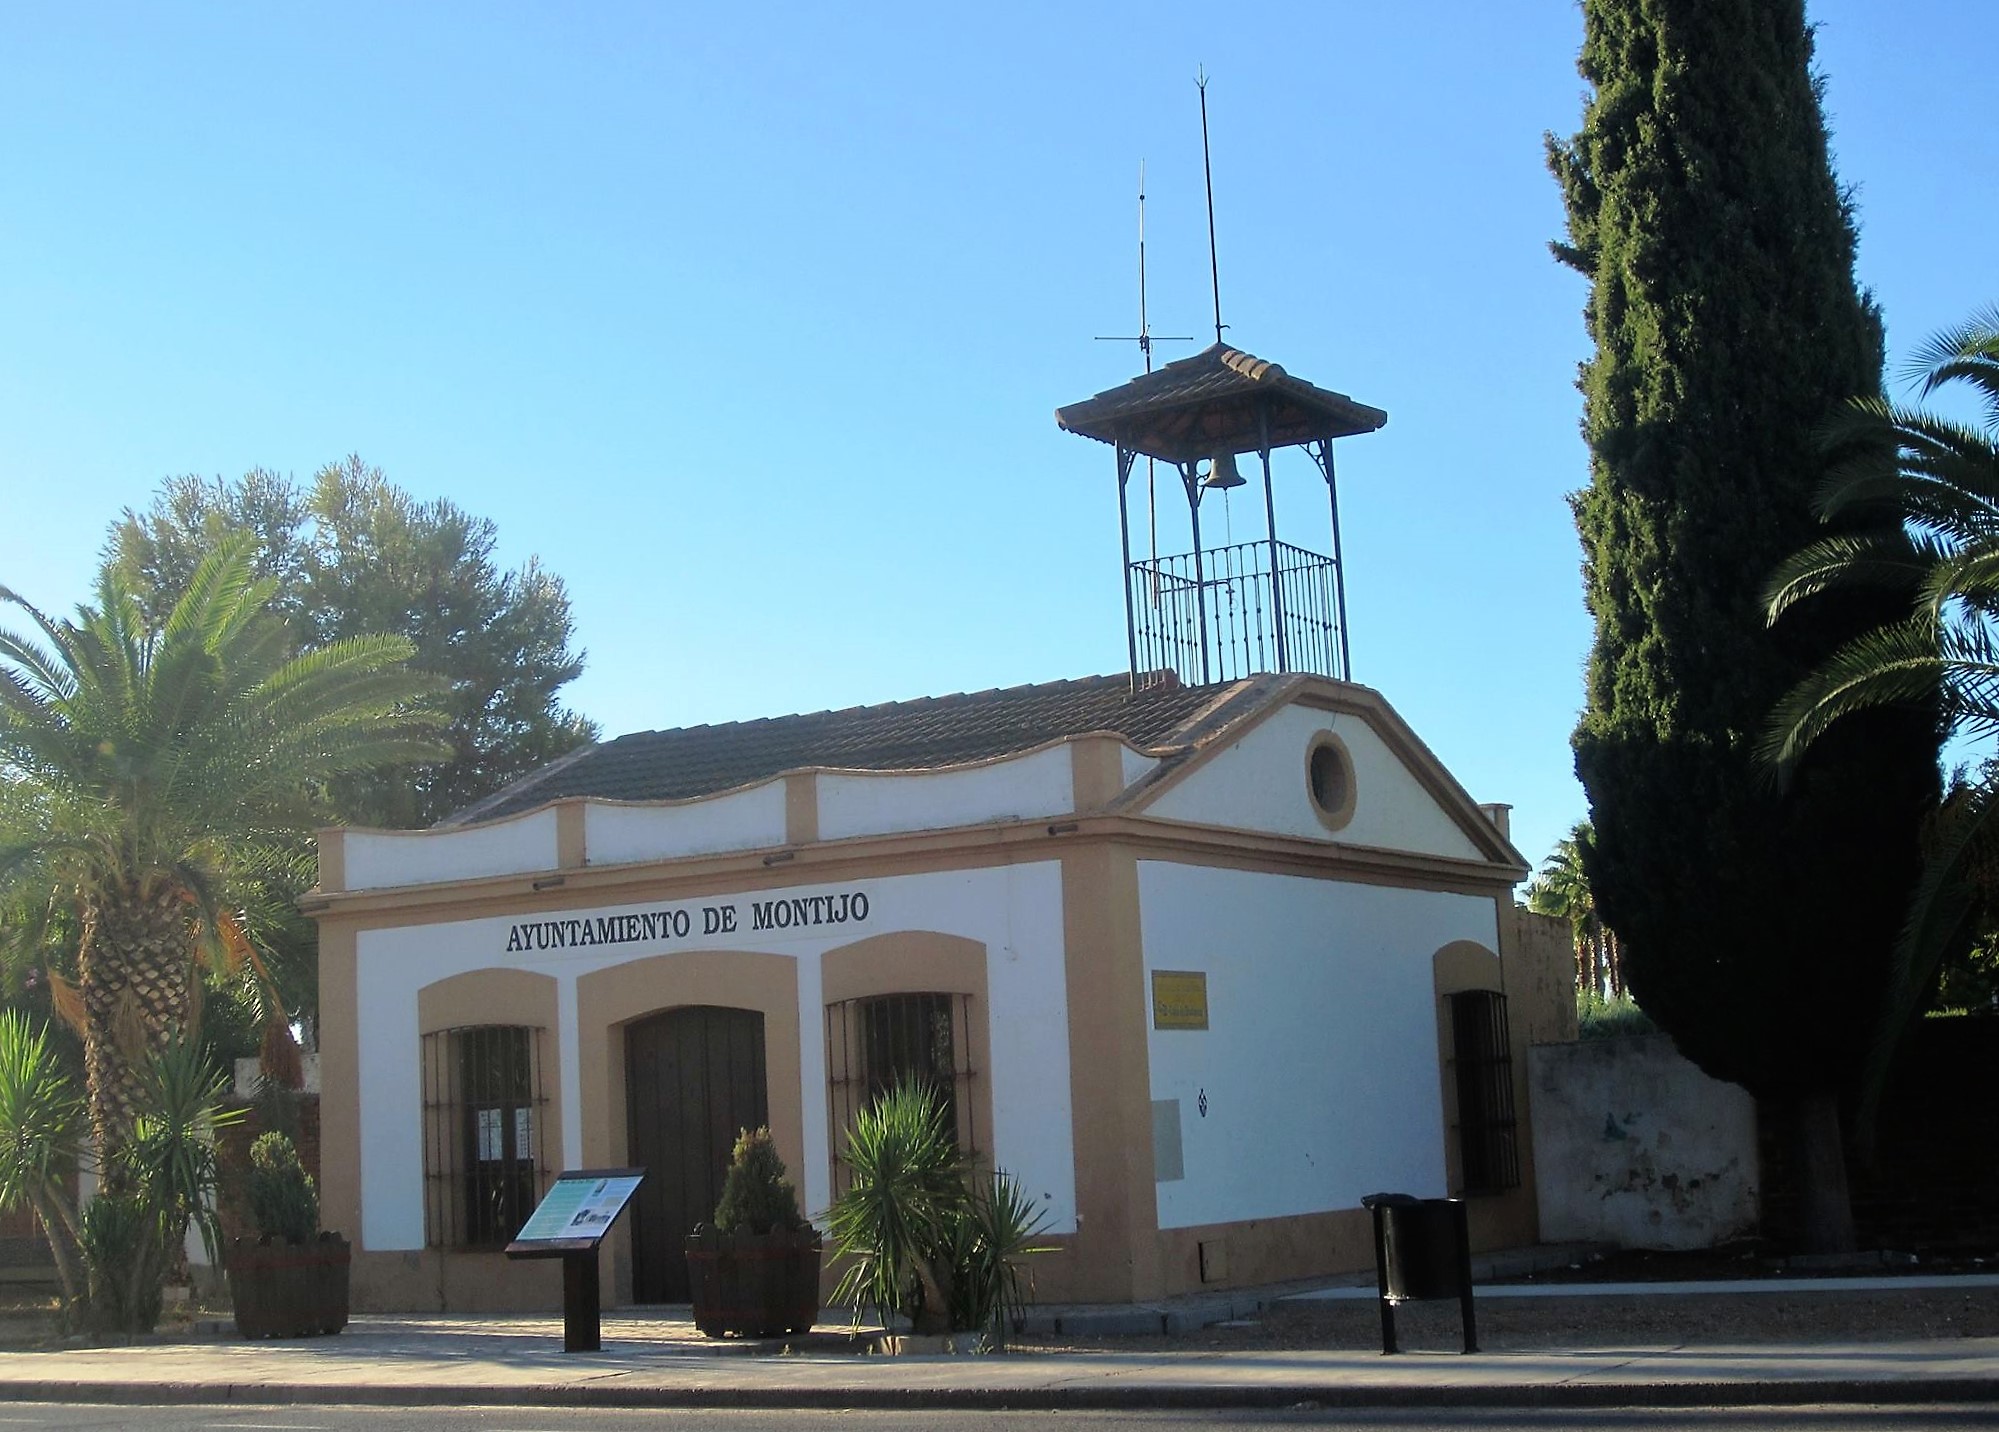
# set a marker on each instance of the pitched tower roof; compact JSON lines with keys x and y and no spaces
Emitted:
{"x":1216,"y":401}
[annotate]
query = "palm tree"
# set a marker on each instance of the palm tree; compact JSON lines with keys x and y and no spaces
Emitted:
{"x":1562,"y":889}
{"x":145,"y":769}
{"x":1930,"y":485}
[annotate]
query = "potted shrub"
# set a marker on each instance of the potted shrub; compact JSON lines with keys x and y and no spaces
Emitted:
{"x":926,"y":1238}
{"x":291,"y":1280}
{"x":755,"y":1271}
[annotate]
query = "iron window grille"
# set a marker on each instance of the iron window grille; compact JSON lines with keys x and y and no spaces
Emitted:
{"x":484,"y":1107}
{"x":874,"y":1043}
{"x":1488,"y":1133}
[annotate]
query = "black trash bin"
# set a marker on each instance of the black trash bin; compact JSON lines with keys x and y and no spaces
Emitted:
{"x":1422,"y":1251}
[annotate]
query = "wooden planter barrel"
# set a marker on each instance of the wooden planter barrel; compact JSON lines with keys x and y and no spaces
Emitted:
{"x":753,"y":1284}
{"x":289,"y":1290}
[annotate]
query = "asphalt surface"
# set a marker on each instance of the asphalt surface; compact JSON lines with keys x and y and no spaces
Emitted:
{"x":510,"y":1419}
{"x":654,"y":1359}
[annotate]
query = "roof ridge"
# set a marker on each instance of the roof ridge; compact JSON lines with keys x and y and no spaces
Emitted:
{"x":1217,"y":716}
{"x":467,"y":814}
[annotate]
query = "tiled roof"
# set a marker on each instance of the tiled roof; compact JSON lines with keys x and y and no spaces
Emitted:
{"x":1219,"y":399}
{"x":901,"y":735}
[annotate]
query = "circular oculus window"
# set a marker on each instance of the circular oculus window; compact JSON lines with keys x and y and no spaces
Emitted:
{"x":1329,"y":779}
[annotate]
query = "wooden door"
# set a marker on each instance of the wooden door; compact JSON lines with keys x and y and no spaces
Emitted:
{"x":693,"y":1077}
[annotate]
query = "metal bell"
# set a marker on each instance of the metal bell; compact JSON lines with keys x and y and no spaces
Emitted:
{"x":1222,"y":472}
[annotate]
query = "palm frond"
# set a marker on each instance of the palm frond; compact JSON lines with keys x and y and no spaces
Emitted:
{"x":1968,"y":353}
{"x":1892,"y":559}
{"x":1939,"y":915}
{"x":1887,"y":666}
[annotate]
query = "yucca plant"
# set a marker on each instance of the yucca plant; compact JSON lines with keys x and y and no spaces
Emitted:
{"x":924,"y":1237}
{"x":42,"y":1126}
{"x":994,"y":1231}
{"x":164,"y":1176}
{"x":893,"y":1221}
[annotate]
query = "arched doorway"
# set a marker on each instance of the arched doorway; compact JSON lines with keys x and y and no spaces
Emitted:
{"x":693,"y":1077}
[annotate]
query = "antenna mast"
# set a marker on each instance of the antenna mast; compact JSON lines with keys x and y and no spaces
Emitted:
{"x":1207,"y":168}
{"x":1145,"y":347}
{"x":1144,"y":340}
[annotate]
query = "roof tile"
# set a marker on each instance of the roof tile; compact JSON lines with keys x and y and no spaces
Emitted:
{"x":923,"y":734}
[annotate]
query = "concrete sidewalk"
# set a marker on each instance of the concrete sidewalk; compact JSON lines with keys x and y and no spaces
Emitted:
{"x":659,"y":1361}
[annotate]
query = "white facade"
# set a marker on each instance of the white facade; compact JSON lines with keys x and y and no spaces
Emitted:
{"x":1317,"y":1078}
{"x":1045,"y":888}
{"x":1013,"y":911}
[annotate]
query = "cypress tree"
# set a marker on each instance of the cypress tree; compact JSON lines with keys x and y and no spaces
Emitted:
{"x":1756,"y":922}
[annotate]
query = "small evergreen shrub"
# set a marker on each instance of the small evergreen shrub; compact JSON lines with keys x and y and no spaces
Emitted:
{"x":284,"y":1201}
{"x":1600,"y":1018}
{"x":120,"y":1240}
{"x":757,"y":1196}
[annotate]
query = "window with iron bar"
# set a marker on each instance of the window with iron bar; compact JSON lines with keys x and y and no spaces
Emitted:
{"x":483,"y":1112}
{"x":874,"y":1043}
{"x":1481,"y":1051}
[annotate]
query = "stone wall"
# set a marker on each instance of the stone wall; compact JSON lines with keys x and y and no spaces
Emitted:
{"x":1636,"y":1147}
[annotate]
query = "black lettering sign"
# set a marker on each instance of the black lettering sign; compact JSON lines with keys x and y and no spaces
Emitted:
{"x":790,"y":912}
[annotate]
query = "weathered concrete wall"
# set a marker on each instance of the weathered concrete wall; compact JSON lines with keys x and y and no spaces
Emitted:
{"x":1635,"y":1146}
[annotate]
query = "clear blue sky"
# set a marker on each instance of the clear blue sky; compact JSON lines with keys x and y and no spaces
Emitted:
{"x":751,"y":320}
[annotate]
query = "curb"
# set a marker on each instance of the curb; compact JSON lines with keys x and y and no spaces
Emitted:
{"x":1302,"y":1396}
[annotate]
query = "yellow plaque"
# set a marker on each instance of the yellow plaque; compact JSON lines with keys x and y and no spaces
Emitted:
{"x":1179,"y":999}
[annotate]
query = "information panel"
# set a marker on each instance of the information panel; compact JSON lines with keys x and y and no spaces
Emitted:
{"x":577,"y":1211}
{"x":1179,"y":999}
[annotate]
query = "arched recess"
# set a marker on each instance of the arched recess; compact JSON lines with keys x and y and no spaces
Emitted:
{"x":1475,"y":1066}
{"x":908,"y":963}
{"x":1465,"y":964}
{"x":608,"y":1000}
{"x":476,"y":1020}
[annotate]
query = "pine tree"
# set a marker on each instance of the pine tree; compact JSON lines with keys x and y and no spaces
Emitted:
{"x":1757,"y":921}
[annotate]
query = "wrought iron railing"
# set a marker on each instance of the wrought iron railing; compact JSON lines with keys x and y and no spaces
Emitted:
{"x":1225,"y":617}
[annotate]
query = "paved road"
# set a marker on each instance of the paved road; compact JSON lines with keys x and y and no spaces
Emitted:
{"x":425,"y":1419}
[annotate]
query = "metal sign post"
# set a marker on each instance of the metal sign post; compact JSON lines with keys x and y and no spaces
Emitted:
{"x":570,"y":1224}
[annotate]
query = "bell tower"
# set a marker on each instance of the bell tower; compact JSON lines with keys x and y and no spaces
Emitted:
{"x":1218,"y":613}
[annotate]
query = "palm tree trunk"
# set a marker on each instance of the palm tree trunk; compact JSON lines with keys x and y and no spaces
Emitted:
{"x":1827,"y":1203}
{"x":134,"y":970}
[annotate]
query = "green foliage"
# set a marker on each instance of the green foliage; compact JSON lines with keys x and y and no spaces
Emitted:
{"x":1719,"y":248}
{"x":1920,"y":495}
{"x":170,"y":1157}
{"x":114,"y":1257}
{"x":919,"y":1242}
{"x":284,"y":1200}
{"x":757,"y":1197}
{"x":152,"y":767}
{"x":994,"y":1230}
{"x":1562,"y":890}
{"x":1600,"y":1018}
{"x":121,"y":1248}
{"x":42,"y":1126}
{"x":156,"y":1183}
{"x":355,"y":555}
{"x":891,"y":1221}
